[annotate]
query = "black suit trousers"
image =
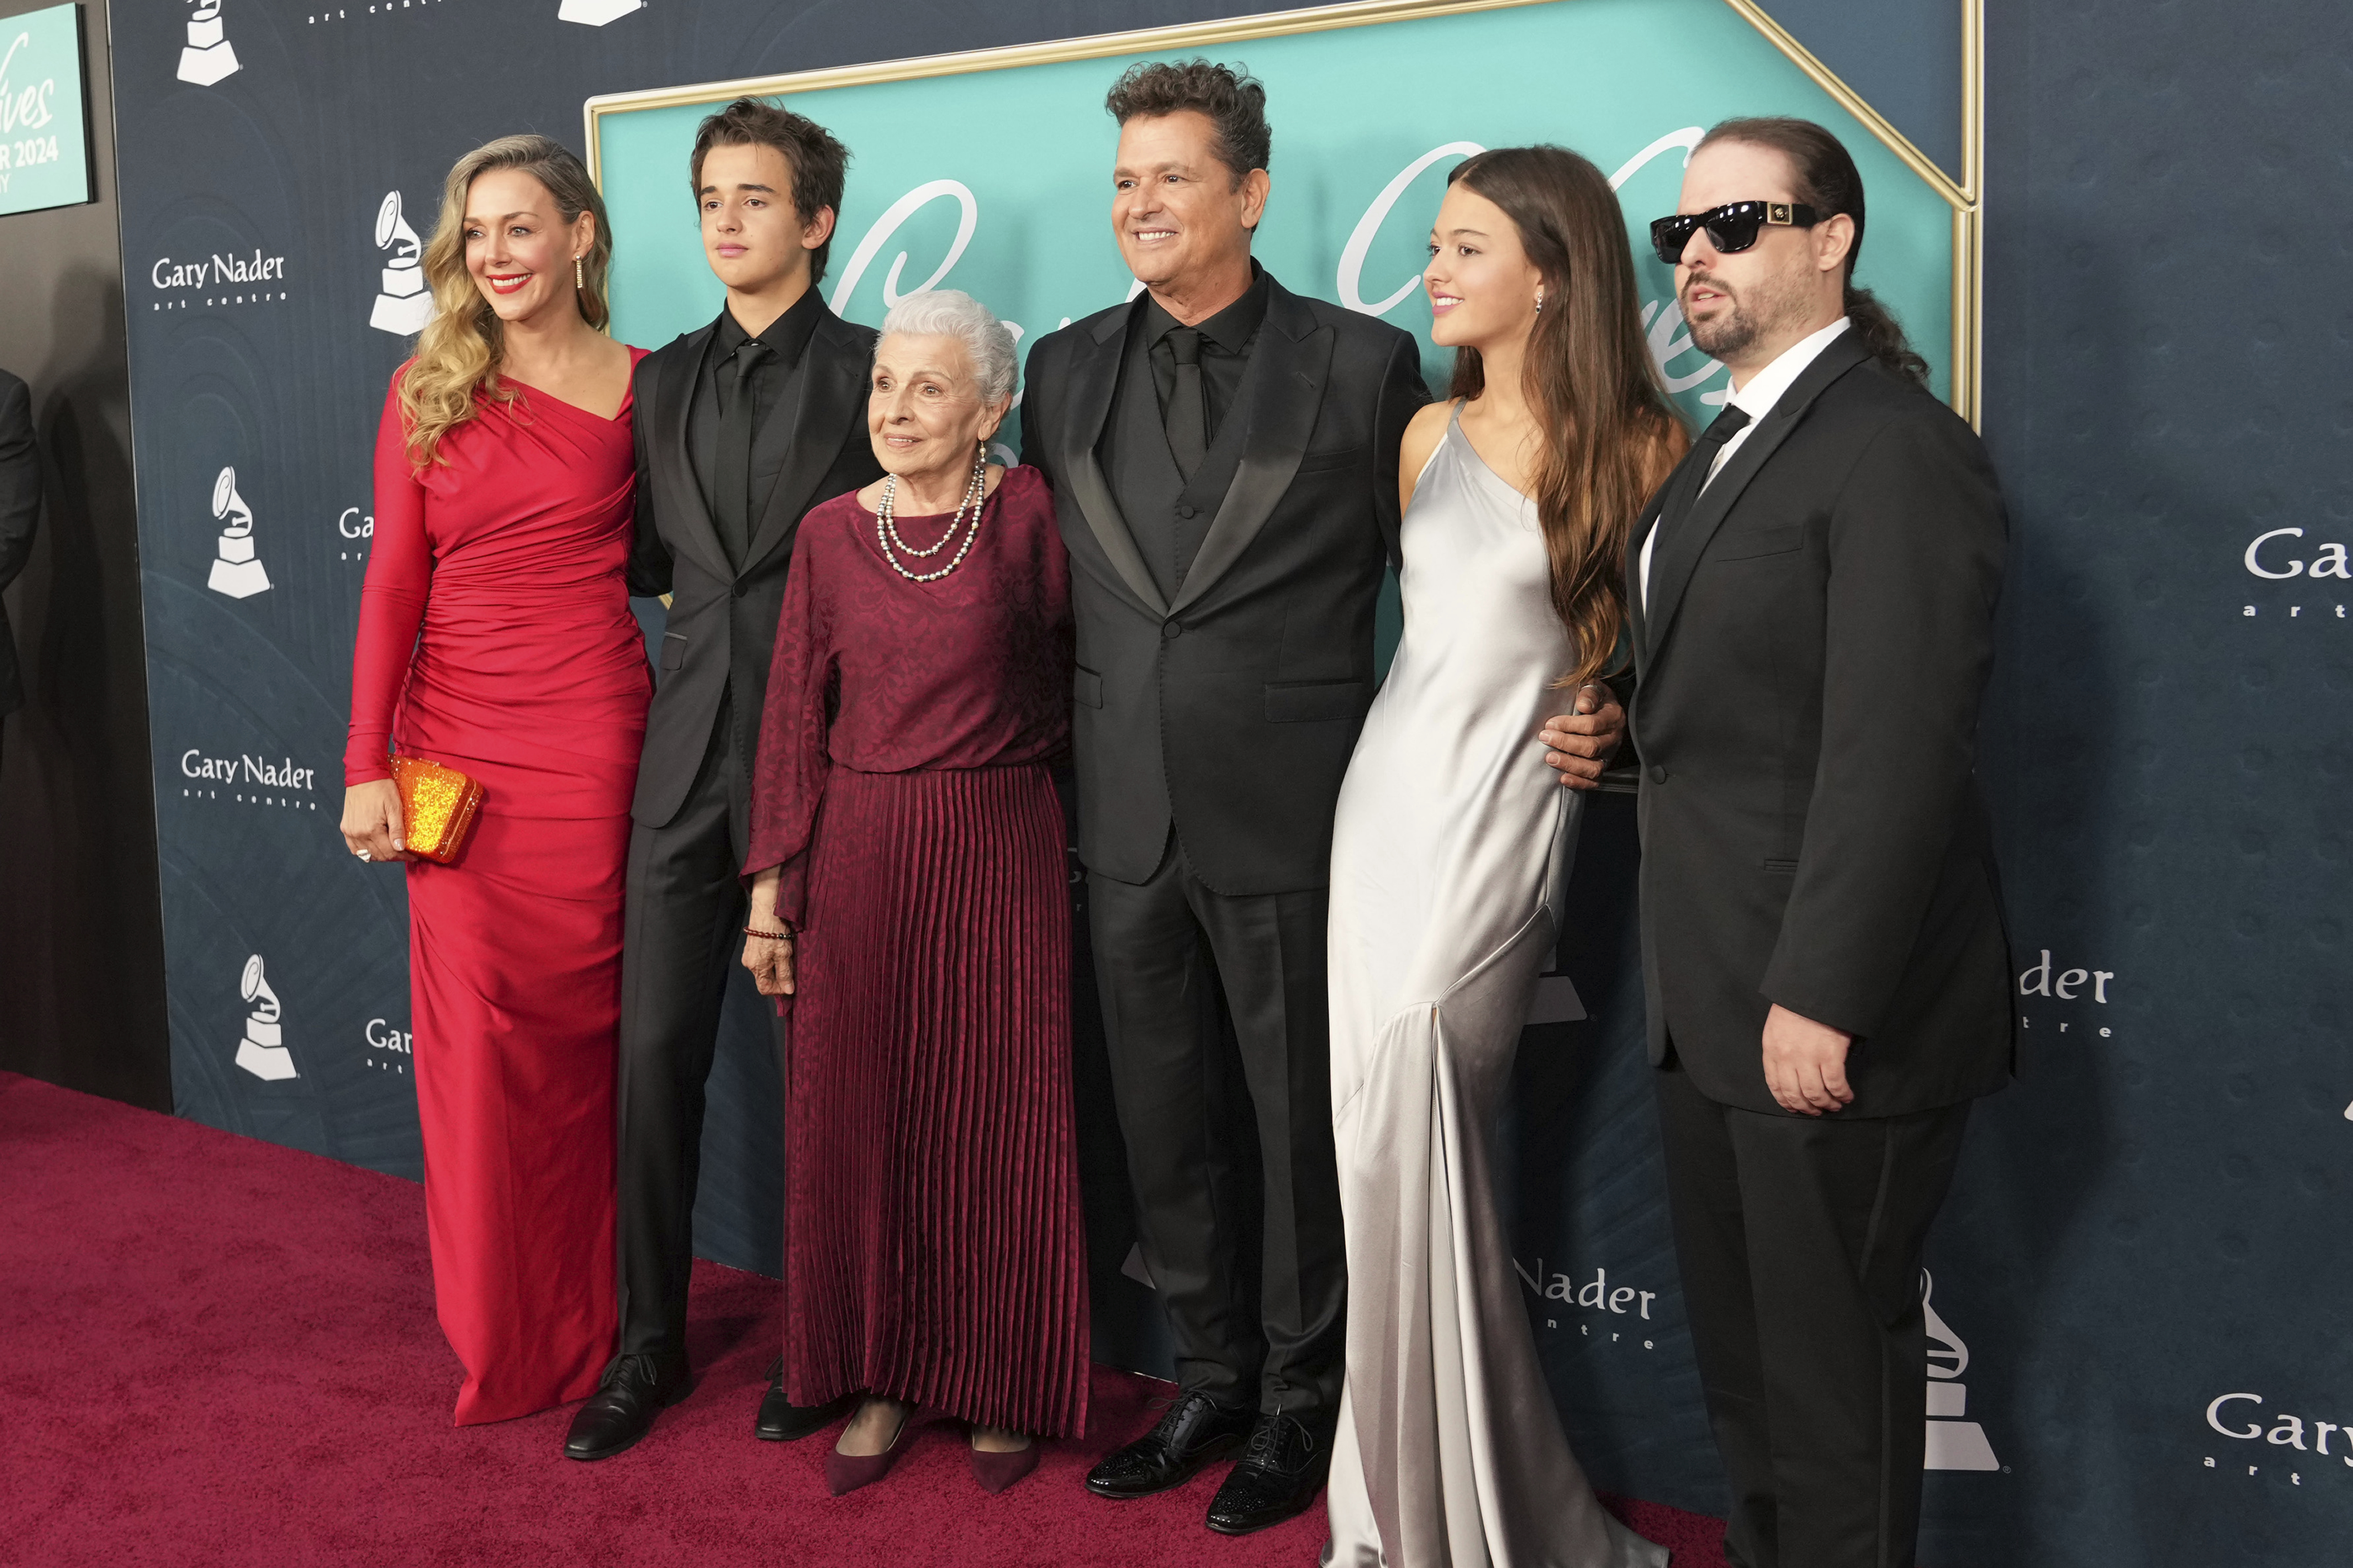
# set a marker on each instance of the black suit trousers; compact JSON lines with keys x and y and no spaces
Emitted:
{"x":1160,"y":948}
{"x":683,"y":931}
{"x":1799,"y":1242}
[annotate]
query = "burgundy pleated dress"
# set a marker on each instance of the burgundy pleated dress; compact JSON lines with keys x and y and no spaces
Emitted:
{"x":495,"y":637}
{"x":933,"y":1248}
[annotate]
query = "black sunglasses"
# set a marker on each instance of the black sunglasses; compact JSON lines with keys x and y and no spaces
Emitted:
{"x":1731,"y":227}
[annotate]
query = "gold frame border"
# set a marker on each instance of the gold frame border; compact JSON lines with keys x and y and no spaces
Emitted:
{"x":1963,"y":195}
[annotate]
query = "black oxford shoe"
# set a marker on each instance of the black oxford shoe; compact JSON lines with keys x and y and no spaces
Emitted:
{"x":782,"y":1421}
{"x":1196,"y":1431}
{"x":636,"y":1389}
{"x":1276,"y":1479}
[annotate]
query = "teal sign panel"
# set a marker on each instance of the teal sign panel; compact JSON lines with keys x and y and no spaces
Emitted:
{"x":995,"y":177}
{"x":43,"y":128}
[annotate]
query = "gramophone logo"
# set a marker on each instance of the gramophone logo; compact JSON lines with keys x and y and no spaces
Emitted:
{"x":209,"y":57}
{"x":237,"y":571}
{"x":1954,"y":1444}
{"x":596,"y":13}
{"x":406,"y":303}
{"x":263,"y":1051}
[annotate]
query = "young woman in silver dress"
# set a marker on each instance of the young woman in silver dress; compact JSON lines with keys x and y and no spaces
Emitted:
{"x":1451,"y":846}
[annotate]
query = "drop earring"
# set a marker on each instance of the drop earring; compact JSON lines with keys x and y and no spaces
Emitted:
{"x":1539,"y":301}
{"x":580,"y":278}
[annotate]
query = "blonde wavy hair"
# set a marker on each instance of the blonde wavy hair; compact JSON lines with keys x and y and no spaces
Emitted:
{"x":459,"y":352}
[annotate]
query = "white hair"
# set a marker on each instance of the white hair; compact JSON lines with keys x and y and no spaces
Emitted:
{"x":953,"y":313}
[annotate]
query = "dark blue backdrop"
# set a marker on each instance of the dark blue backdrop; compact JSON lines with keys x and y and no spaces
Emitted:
{"x":2147,"y":1225}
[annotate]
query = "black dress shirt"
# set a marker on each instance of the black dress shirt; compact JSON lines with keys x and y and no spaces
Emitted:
{"x":775,"y":386}
{"x":1227,"y":339}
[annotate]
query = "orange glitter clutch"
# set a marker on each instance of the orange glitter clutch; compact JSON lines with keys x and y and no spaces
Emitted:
{"x":436,"y":808}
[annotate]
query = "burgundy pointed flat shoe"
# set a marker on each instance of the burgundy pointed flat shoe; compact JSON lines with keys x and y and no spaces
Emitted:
{"x":846,"y":1473}
{"x":994,"y":1472}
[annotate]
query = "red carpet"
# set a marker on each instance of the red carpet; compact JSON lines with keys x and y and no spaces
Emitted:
{"x":218,"y":1351}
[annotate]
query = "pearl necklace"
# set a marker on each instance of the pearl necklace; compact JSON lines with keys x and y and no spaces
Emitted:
{"x":886,"y":524}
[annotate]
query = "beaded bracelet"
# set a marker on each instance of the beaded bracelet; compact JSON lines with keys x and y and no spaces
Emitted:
{"x":785,"y":935}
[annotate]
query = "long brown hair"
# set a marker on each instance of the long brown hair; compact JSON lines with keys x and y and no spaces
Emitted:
{"x":458,"y":353}
{"x":1611,"y":435}
{"x":1823,"y":176}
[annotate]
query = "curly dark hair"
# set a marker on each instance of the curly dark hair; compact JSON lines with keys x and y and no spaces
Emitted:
{"x":819,"y":163}
{"x":1234,"y":101}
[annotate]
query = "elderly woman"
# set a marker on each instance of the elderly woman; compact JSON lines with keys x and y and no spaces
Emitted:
{"x":909,"y":893}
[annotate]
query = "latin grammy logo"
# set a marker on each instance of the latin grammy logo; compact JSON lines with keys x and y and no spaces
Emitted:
{"x":596,"y":13}
{"x":263,"y":1051}
{"x":235,"y":570}
{"x":1953,"y":1444}
{"x":406,"y":304}
{"x":209,"y":57}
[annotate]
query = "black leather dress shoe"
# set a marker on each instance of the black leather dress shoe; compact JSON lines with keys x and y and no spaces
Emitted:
{"x":636,"y":1389}
{"x":782,"y":1421}
{"x":1277,"y":1477}
{"x":1196,"y":1431}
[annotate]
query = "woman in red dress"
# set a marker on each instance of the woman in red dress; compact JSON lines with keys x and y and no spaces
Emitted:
{"x":911,"y":892}
{"x":495,"y":638}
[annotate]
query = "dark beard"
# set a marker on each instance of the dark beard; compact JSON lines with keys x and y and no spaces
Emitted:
{"x":1731,"y":332}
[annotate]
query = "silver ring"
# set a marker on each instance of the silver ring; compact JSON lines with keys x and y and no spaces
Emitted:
{"x":362,"y":854}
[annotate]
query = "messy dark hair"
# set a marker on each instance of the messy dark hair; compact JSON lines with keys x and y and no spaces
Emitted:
{"x":1234,"y":101}
{"x":819,"y":164}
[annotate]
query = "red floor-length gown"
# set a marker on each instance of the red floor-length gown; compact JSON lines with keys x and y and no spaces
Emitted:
{"x":934,"y":1249}
{"x":495,"y":637}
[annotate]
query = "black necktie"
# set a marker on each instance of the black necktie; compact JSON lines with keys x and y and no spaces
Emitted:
{"x":1694,"y":478}
{"x":735,"y":430}
{"x":1188,"y":416}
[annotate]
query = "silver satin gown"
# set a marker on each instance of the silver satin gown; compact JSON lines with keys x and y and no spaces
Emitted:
{"x":1452,"y":841}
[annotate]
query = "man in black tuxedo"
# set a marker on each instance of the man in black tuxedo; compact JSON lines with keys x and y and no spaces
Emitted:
{"x":1224,"y":459}
{"x":742,"y":426}
{"x":1823,"y":949}
{"x":20,"y":513}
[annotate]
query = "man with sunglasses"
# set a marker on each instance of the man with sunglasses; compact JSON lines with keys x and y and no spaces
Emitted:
{"x":1824,"y":952}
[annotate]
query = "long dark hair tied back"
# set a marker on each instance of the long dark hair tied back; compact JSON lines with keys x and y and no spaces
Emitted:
{"x":1823,"y":176}
{"x":1611,"y":435}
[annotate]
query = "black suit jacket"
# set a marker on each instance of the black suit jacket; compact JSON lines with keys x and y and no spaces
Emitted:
{"x":1810,"y":664}
{"x":1231,"y":709}
{"x":20,"y":510}
{"x":723,"y":622}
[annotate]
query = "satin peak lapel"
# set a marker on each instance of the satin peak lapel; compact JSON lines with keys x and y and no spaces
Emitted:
{"x":1678,"y":557}
{"x":681,"y":510}
{"x":1094,"y":376}
{"x":1283,"y":390}
{"x":833,"y":381}
{"x":1638,"y":624}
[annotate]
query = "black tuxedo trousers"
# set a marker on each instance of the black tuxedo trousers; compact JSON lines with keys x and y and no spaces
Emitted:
{"x":680,"y":937}
{"x":1799,"y":1241}
{"x":1230,"y":1146}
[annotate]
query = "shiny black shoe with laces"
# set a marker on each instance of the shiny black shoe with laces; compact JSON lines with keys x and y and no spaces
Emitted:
{"x":782,"y":1421}
{"x":1280,"y":1470}
{"x":1196,"y":1431}
{"x":636,"y":1389}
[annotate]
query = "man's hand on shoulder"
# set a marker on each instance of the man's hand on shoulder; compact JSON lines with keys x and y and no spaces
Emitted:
{"x":1581,"y":741}
{"x":1805,"y":1063}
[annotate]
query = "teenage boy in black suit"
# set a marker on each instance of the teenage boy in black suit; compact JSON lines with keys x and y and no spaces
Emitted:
{"x":1224,"y":459}
{"x":1823,"y":947}
{"x":742,"y":426}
